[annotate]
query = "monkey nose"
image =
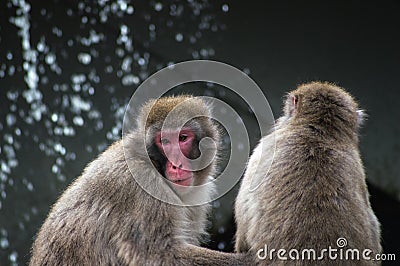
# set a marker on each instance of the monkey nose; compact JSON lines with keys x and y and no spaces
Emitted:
{"x":179,"y":166}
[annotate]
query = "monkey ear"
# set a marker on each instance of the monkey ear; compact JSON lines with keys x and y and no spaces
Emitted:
{"x":291,"y":105}
{"x":294,"y":103}
{"x":361,"y":117}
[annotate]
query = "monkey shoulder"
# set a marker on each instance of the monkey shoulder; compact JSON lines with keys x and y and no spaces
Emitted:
{"x":105,"y":181}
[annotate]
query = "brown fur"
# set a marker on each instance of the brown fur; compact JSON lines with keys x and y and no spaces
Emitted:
{"x":159,"y":109}
{"x":106,"y":218}
{"x":315,"y":190}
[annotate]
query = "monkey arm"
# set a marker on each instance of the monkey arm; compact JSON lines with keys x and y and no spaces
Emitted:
{"x":186,"y":254}
{"x":194,"y":255}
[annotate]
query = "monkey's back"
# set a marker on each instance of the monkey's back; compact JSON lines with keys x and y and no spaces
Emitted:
{"x":313,"y":194}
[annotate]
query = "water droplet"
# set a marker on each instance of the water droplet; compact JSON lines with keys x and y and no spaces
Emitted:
{"x":37,"y":112}
{"x":84,"y":58}
{"x":78,"y":120}
{"x":29,"y":186}
{"x":221,"y":230}
{"x":32,"y":78}
{"x":124,"y":29}
{"x":68,"y":131}
{"x":59,"y":148}
{"x":11,"y":119}
{"x":122,"y":5}
{"x":41,"y":46}
{"x":50,"y":58}
{"x":78,"y":78}
{"x":12,"y":95}
{"x":55,"y":169}
{"x":13,"y":256}
{"x":57,"y":31}
{"x":32,"y":95}
{"x":3,"y":177}
{"x":54,"y":117}
{"x":5,"y":168}
{"x":204,"y":52}
{"x":141,"y":61}
{"x":126,"y":64}
{"x":130,"y":10}
{"x":179,"y":37}
{"x":225,"y":8}
{"x":89,"y":148}
{"x":109,"y":69}
{"x":34,"y":210}
{"x":158,"y":7}
{"x":70,"y":156}
{"x":130,"y":80}
{"x":99,"y":125}
{"x":4,"y":243}
{"x":195,"y":55}
{"x":9,"y":139}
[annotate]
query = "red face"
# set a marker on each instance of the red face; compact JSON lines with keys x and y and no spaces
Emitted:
{"x":176,"y":147}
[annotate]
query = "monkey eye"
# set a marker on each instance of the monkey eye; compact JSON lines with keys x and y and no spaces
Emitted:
{"x":164,"y":141}
{"x":183,"y":138}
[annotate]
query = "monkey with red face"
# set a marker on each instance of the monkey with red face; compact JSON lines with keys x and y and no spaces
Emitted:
{"x":175,"y":172}
{"x":109,"y":215}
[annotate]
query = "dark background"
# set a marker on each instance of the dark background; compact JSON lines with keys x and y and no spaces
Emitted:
{"x":88,"y":65}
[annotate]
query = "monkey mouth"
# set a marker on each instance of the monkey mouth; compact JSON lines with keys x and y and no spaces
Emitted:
{"x":186,"y":181}
{"x":178,"y":176}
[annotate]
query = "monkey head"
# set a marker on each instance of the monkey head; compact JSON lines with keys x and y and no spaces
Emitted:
{"x":325,"y":108}
{"x":181,"y":139}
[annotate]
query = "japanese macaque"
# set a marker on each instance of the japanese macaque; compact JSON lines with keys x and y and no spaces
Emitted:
{"x":109,"y":215}
{"x":314,"y":193}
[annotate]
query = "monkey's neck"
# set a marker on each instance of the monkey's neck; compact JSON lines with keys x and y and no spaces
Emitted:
{"x":195,"y":217}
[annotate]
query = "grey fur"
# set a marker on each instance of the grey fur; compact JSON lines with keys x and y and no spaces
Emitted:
{"x":315,"y":190}
{"x":106,"y":218}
